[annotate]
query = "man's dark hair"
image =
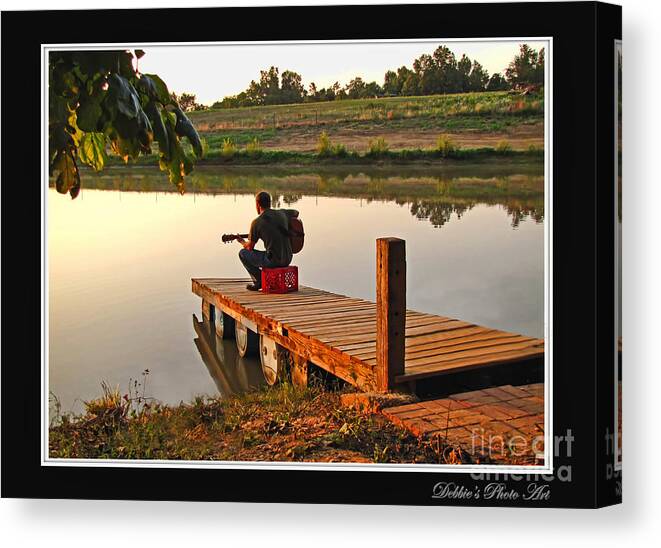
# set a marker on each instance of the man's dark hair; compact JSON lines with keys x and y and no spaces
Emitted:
{"x":263,"y":199}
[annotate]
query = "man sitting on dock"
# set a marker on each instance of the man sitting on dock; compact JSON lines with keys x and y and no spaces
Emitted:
{"x":272,"y":227}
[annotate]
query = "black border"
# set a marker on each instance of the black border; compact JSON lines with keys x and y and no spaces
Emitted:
{"x":582,"y":236}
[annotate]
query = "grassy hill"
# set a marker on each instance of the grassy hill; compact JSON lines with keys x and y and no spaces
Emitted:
{"x":472,"y":120}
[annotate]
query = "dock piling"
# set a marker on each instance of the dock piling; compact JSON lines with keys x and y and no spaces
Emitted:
{"x":390,"y":311}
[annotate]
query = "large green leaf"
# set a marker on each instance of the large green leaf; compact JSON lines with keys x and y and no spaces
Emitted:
{"x":125,"y":60}
{"x":68,"y":176}
{"x":162,"y":93}
{"x":88,"y":114}
{"x":153,"y":111}
{"x":125,"y":127}
{"x":92,"y":150}
{"x":75,"y":189}
{"x":184,"y":127}
{"x":145,"y":132}
{"x":73,"y":129}
{"x":177,"y":163}
{"x":147,"y":86}
{"x":122,"y":96}
{"x":126,"y":148}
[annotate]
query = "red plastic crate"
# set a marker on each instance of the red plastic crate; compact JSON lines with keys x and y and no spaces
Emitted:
{"x":280,"y":280}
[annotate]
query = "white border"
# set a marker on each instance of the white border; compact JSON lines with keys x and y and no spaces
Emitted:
{"x":548,"y":279}
{"x":618,"y":243}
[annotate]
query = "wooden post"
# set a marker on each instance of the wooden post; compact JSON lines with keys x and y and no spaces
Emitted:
{"x":390,"y":311}
{"x":299,"y":370}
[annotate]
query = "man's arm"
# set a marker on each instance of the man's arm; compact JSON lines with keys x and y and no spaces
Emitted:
{"x":249,"y":244}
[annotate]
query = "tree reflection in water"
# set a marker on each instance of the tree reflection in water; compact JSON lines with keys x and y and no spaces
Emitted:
{"x":434,"y":194}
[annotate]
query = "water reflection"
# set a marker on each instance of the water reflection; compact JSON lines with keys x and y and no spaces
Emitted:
{"x":231,"y":373}
{"x":429,"y":194}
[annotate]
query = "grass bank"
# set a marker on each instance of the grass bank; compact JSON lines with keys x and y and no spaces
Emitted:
{"x":282,"y":423}
{"x":241,"y":157}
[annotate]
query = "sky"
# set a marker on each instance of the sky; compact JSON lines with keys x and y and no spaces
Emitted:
{"x":212,"y":72}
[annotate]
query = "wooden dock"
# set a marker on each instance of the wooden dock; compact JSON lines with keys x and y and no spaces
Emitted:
{"x":376,"y":346}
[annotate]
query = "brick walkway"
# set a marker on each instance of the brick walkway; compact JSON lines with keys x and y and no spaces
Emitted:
{"x":504,"y":424}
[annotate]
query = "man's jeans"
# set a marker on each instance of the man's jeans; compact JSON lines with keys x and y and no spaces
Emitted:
{"x":253,"y":261}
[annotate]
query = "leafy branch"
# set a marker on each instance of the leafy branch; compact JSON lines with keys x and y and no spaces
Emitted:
{"x":98,"y":99}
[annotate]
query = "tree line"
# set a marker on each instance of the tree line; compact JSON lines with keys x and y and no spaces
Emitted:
{"x":438,"y":73}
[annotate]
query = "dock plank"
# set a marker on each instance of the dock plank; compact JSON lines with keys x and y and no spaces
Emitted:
{"x":338,"y":332}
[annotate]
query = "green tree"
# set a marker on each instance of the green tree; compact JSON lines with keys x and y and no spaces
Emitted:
{"x":98,"y":99}
{"x":539,"y":68}
{"x":233,"y":101}
{"x":429,"y":77}
{"x":438,"y":73}
{"x":356,"y":88}
{"x":390,"y":83}
{"x":373,"y":90}
{"x":338,"y":92}
{"x":464,"y":67}
{"x":267,"y":90}
{"x":274,"y":89}
{"x":446,"y":63}
{"x":187,"y":102}
{"x":313,"y":93}
{"x":478,"y":78}
{"x":527,"y":67}
{"x":403,"y":74}
{"x":497,"y":83}
{"x":291,"y":89}
{"x":411,"y":85}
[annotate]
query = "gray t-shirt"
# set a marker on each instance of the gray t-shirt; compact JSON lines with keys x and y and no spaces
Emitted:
{"x":272,"y":227}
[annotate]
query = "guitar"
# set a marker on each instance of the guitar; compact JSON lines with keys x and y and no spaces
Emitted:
{"x":296,"y":235}
{"x":227,"y":238}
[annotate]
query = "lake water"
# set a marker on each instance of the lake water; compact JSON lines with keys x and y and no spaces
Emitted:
{"x":122,"y":254}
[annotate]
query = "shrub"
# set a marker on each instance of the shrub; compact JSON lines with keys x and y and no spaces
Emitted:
{"x":324,"y":145}
{"x":378,"y":147}
{"x":326,"y":148}
{"x":205,"y":147}
{"x":110,"y":403}
{"x":503,"y":147}
{"x":340,"y":150}
{"x":446,"y":146}
{"x":228,"y":148}
{"x":254,"y":146}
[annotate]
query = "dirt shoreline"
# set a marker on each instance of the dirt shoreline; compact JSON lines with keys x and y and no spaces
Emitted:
{"x":519,"y":137}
